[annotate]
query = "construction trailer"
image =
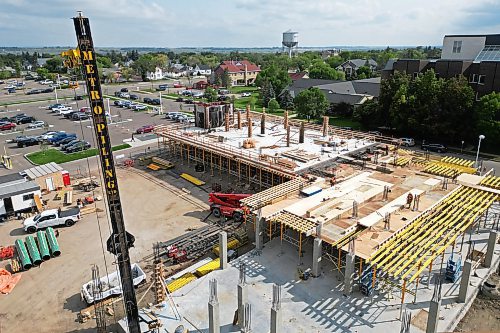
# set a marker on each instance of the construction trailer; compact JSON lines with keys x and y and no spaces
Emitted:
{"x":17,"y":195}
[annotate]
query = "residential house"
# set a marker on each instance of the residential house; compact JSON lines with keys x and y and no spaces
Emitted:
{"x":176,"y":70}
{"x":17,"y":194}
{"x":241,"y":72}
{"x":354,"y":92}
{"x":350,"y":67}
{"x":298,"y":75}
{"x":477,"y":57}
{"x":201,"y":70}
{"x":325,"y":54}
{"x":156,"y":75}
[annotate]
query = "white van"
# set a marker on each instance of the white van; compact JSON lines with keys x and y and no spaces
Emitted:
{"x":408,"y":142}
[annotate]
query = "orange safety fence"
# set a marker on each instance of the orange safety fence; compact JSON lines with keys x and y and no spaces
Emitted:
{"x":8,"y":281}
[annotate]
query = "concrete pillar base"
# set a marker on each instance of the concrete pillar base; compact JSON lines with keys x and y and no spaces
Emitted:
{"x":464,"y":282}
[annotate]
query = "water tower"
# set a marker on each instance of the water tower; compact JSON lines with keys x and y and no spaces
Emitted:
{"x":290,"y":42}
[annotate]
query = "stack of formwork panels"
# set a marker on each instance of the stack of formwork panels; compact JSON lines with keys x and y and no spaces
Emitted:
{"x":268,"y":196}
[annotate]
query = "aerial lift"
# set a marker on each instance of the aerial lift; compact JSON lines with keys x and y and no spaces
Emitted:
{"x":120,"y":241}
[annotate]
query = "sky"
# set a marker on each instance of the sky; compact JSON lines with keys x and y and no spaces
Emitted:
{"x":246,"y":23}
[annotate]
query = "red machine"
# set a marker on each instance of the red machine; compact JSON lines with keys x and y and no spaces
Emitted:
{"x":227,"y":204}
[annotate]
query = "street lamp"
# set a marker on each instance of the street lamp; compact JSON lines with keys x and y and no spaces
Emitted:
{"x":481,"y":137}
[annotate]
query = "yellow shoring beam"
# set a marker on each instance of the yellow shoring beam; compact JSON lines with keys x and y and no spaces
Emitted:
{"x":386,"y":247}
{"x":446,"y":245}
{"x":452,"y":232}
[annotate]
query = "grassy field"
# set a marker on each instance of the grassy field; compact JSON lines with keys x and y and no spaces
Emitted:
{"x":241,"y":103}
{"x":239,"y":90}
{"x":54,"y":155}
{"x":344,"y":122}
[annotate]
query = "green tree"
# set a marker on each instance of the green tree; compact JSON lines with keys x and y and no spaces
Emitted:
{"x":286,"y":100}
{"x":5,"y":75}
{"x":311,"y":103}
{"x":226,"y":79}
{"x":334,"y":61}
{"x":127,"y":73}
{"x":55,"y":65}
{"x":252,"y":101}
{"x":364,"y":72}
{"x":104,"y":62}
{"x":278,"y":77}
{"x":367,"y":114}
{"x":488,"y":124}
{"x":320,"y":70}
{"x":42,"y":72}
{"x":18,"y":68}
{"x":210,"y":94}
{"x":218,"y":80}
{"x":145,"y":63}
{"x":273,"y":106}
{"x":267,"y":92}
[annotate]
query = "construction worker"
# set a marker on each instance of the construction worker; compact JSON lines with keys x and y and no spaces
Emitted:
{"x":409,"y":199}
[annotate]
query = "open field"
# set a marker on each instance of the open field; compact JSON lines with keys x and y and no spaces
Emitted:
{"x":54,"y":155}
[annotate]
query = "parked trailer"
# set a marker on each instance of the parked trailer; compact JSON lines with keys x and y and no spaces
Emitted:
{"x":110,"y":285}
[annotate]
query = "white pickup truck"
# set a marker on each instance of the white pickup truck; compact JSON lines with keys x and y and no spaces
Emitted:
{"x":52,"y":218}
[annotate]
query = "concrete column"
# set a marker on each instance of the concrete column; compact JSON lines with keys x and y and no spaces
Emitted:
{"x":226,"y":120}
{"x":263,"y":122}
{"x":349,"y":273}
{"x":433,"y":316}
{"x":223,"y":249}
{"x":213,"y":317}
{"x":316,"y":265}
{"x":258,"y":232}
{"x":288,"y":136}
{"x":464,"y":282}
{"x":276,"y":320}
{"x":285,"y":122}
{"x":239,"y":119}
{"x":301,"y":132}
{"x":242,"y":300}
{"x":492,"y":241}
{"x":326,"y":120}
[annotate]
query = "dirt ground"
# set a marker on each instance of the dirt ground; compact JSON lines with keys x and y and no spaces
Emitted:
{"x":48,"y":297}
{"x":483,"y":316}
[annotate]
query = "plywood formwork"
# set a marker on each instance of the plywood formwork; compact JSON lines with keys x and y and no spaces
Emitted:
{"x":275,"y":193}
{"x":296,"y":223}
{"x":415,"y":247}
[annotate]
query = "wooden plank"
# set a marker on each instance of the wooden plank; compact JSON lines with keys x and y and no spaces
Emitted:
{"x":38,"y":203}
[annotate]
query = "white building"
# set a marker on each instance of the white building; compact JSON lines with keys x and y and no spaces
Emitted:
{"x":156,"y":75}
{"x":17,"y":194}
{"x":201,"y":70}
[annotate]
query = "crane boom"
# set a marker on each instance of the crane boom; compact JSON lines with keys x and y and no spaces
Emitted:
{"x":120,"y":240}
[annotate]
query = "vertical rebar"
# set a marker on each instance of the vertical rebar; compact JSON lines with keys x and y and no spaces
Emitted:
{"x":100,"y":317}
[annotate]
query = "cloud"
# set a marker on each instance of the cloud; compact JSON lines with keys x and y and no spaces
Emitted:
{"x":245,"y":23}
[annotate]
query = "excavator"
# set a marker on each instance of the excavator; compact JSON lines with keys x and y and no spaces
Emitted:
{"x":227,"y":204}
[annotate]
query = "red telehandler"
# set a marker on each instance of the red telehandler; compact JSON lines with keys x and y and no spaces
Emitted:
{"x":227,"y":204}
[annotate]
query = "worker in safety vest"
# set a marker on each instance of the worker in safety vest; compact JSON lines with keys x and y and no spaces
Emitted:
{"x":409,"y":199}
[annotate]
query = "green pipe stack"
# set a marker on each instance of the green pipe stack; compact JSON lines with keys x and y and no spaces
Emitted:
{"x":33,"y":250}
{"x":23,"y":254}
{"x":43,"y":246}
{"x":54,"y":246}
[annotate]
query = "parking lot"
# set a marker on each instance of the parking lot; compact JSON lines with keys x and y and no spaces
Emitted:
{"x":124,"y":121}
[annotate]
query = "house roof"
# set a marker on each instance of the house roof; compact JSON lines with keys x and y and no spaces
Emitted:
{"x":237,"y":66}
{"x":297,"y":75}
{"x":203,"y":67}
{"x":389,"y":66}
{"x":361,"y":87}
{"x":18,"y":188}
{"x":336,"y":98}
{"x":359,"y":62}
{"x":43,"y":170}
{"x":10,"y":178}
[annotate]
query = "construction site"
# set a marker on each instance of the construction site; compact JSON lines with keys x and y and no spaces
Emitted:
{"x":251,"y":222}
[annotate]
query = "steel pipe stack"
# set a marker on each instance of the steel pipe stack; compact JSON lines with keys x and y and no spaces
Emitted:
{"x":54,"y":246}
{"x":43,"y":246}
{"x":22,"y":253}
{"x":33,"y":250}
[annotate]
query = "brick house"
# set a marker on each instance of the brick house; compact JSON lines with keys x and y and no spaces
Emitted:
{"x":241,"y":72}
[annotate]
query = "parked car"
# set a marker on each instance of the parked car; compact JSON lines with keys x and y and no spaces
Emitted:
{"x":189,"y":101}
{"x":145,"y":129}
{"x":53,"y":106}
{"x":139,"y":107}
{"x":147,"y":100}
{"x":47,"y":90}
{"x":117,"y":93}
{"x":34,"y":92}
{"x":82,"y":145}
{"x":64,"y":141}
{"x":59,"y":136}
{"x":11,"y":90}
{"x":124,"y":95}
{"x":25,"y":120}
{"x":178,"y":85}
{"x":198,"y":94}
{"x":134,"y":97}
{"x":37,"y":124}
{"x":186,"y":93}
{"x":124,"y":90}
{"x":47,"y":135}
{"x":170,"y":115}
{"x":408,"y":142}
{"x":222,"y":98}
{"x":47,"y":81}
{"x":79,"y":116}
{"x":85,"y":109}
{"x":27,"y":141}
{"x":7,"y":126}
{"x":126,"y":104}
{"x":156,"y":101}
{"x":246,"y":94}
{"x":118,"y":103}
{"x":179,"y":99}
{"x":70,"y":143}
{"x":60,"y":108}
{"x":17,"y":116}
{"x":436,"y":147}
{"x":162,"y":87}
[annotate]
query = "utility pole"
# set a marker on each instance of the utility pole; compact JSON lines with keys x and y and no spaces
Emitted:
{"x":120,"y":240}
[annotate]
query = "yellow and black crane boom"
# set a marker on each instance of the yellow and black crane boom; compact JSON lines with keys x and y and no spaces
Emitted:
{"x":120,"y":241}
